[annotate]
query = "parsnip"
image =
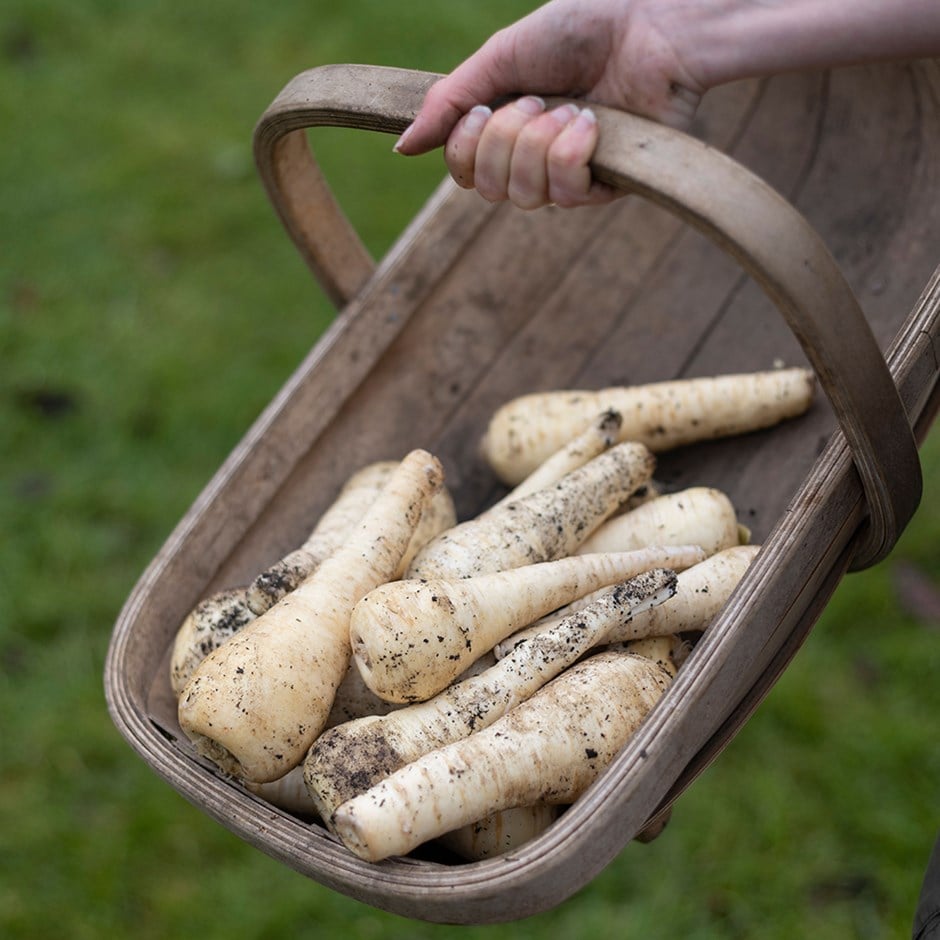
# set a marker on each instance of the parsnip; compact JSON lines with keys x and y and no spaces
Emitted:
{"x":494,"y":835}
{"x":335,"y":526}
{"x":215,"y":619}
{"x":657,"y":649}
{"x":331,"y":530}
{"x":288,"y":793}
{"x":348,"y":759}
{"x":354,"y":699}
{"x":207,"y":626}
{"x":546,"y":524}
{"x":649,"y":490}
{"x":411,"y":639}
{"x":699,"y":515}
{"x":548,"y":749}
{"x":500,"y":832}
{"x":701,"y":591}
{"x":509,"y":828}
{"x":599,"y":436}
{"x":527,"y":430}
{"x":256,"y":704}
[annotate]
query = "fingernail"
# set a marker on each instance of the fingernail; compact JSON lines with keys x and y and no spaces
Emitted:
{"x":565,"y":113}
{"x":531,"y":104}
{"x":401,"y":140}
{"x":476,"y":118}
{"x":585,"y":120}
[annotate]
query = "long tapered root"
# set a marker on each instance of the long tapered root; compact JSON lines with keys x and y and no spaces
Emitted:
{"x":352,"y":757}
{"x":335,"y":527}
{"x":701,"y":591}
{"x":598,"y":437}
{"x":258,"y":702}
{"x":548,"y":749}
{"x":500,"y":832}
{"x":332,"y":529}
{"x":528,"y":430}
{"x":697,"y":515}
{"x":543,"y":525}
{"x":207,"y":626}
{"x":411,"y":638}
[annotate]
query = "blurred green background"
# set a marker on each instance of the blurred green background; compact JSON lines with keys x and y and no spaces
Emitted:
{"x":151,"y":305}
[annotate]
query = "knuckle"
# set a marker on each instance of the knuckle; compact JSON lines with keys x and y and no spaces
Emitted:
{"x":491,"y":190}
{"x":568,"y":193}
{"x":525,"y":198}
{"x":564,"y":155}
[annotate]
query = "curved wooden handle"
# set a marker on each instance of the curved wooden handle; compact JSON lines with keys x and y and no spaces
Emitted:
{"x":364,"y":97}
{"x":700,"y":185}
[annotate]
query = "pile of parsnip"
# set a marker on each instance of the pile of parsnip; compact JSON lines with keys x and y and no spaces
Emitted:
{"x":405,"y":677}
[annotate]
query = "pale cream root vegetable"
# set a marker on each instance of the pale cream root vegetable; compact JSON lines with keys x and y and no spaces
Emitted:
{"x":657,"y":649}
{"x":256,"y":704}
{"x":335,"y":526}
{"x":508,"y":829}
{"x":348,"y":759}
{"x":500,"y":832}
{"x":331,"y":530}
{"x":288,"y":793}
{"x":354,"y":699}
{"x":644,"y":494}
{"x":701,"y":591}
{"x":411,"y":639}
{"x":699,"y":515}
{"x":207,"y":626}
{"x":527,"y":430}
{"x":218,"y":617}
{"x":549,"y":749}
{"x":215,"y":619}
{"x":599,"y":436}
{"x":439,"y":516}
{"x":546,"y":524}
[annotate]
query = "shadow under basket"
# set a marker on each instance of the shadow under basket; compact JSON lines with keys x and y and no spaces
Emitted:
{"x":759,"y":238}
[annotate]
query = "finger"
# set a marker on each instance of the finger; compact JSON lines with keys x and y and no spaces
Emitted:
{"x":494,"y":153}
{"x":482,"y":78}
{"x":528,"y":173}
{"x":568,"y":165}
{"x":461,"y":147}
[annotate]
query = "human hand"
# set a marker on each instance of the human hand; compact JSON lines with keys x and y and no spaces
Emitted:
{"x":527,"y":154}
{"x":615,"y":52}
{"x":653,"y":57}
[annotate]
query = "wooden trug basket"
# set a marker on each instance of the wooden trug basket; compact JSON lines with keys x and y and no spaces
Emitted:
{"x":808,"y":195}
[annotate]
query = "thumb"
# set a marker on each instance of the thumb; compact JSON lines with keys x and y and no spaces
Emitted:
{"x":485,"y":76}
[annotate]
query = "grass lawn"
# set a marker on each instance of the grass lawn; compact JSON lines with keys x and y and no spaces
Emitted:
{"x":141,"y":272}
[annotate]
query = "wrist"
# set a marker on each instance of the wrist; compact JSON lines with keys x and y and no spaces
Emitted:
{"x":726,"y":40}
